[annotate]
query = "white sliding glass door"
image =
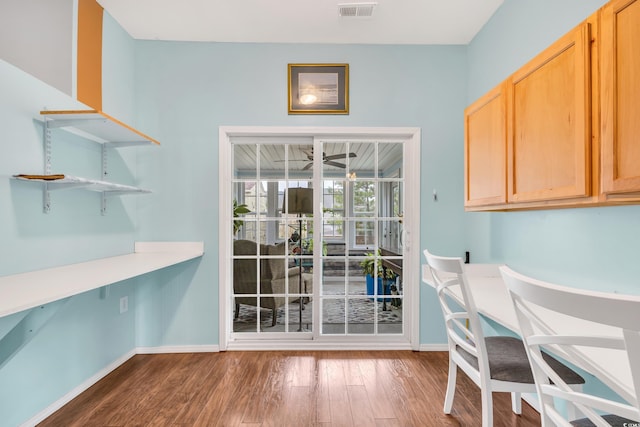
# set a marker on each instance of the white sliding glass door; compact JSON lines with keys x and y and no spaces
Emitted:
{"x":316,"y":250}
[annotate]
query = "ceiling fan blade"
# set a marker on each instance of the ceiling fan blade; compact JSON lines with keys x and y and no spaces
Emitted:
{"x":339,"y":156}
{"x":308,"y":153}
{"x":307,"y":167}
{"x":338,"y":165}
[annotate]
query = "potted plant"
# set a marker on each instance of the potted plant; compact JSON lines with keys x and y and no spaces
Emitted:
{"x":238,"y":209}
{"x":370,"y":271}
{"x":307,"y":246}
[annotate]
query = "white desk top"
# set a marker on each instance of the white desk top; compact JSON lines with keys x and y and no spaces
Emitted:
{"x":27,"y":290}
{"x":493,"y":301}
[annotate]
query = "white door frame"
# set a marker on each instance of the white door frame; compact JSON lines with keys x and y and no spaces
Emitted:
{"x":411,"y":233}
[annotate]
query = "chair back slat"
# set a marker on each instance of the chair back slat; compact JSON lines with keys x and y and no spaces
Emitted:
{"x":461,"y":319}
{"x":533,"y":299}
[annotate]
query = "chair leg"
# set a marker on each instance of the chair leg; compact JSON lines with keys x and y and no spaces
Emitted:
{"x":451,"y":386}
{"x":487,"y":407}
{"x":275,"y":317}
{"x":516,"y":403}
{"x":237,"y":313}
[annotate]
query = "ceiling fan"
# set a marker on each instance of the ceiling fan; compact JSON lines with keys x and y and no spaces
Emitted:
{"x":327,"y":160}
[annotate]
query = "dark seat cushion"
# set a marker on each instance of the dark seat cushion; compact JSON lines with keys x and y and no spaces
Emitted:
{"x":614,"y":420}
{"x":508,"y":362}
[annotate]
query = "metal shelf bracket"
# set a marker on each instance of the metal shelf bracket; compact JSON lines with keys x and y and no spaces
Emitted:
{"x":46,"y":197}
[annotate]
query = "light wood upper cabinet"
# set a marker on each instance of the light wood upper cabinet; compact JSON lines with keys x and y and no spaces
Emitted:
{"x":620,"y":97}
{"x":485,"y":150}
{"x":549,"y":123}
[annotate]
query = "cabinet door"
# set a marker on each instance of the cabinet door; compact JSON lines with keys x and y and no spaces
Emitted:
{"x":549,"y":130}
{"x":620,"y":90}
{"x":485,"y":150}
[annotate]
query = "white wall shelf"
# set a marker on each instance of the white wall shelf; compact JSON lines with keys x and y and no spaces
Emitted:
{"x":33,"y":289}
{"x":95,"y":126}
{"x":62,"y":182}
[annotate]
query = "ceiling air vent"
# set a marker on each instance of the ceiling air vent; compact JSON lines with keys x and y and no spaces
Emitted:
{"x":356,"y":9}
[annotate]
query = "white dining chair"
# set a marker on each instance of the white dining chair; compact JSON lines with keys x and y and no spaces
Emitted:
{"x":534,"y":300}
{"x":496,"y":363}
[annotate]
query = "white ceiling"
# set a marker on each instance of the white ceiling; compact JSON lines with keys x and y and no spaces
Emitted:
{"x":302,"y":21}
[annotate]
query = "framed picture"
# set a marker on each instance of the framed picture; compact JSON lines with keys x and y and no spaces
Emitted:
{"x":318,"y":88}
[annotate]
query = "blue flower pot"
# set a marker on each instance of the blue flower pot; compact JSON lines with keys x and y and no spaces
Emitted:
{"x":382,"y":289}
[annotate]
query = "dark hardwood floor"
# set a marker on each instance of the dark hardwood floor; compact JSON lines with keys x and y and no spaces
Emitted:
{"x":320,"y":388}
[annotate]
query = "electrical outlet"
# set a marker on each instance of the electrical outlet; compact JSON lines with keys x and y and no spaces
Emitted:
{"x":124,"y":304}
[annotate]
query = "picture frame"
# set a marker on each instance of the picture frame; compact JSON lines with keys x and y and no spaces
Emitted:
{"x":318,"y":88}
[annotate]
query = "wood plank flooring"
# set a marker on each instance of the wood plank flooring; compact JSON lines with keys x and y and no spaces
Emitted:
{"x":319,"y":388}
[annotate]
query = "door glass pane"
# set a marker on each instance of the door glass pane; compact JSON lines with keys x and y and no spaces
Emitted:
{"x":333,"y":278}
{"x":244,"y":161}
{"x":334,"y":316}
{"x":336,"y":159}
{"x":364,"y":164}
{"x":272,"y":165}
{"x":300,"y":161}
{"x":391,"y":235}
{"x":333,"y":209}
{"x":364,"y":233}
{"x":361,"y":316}
{"x":389,"y":159}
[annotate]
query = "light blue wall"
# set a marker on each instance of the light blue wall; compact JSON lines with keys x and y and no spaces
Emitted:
{"x":518,"y":31}
{"x":185,"y":91}
{"x":87,"y":333}
{"x":593,"y":248}
{"x":118,"y":62}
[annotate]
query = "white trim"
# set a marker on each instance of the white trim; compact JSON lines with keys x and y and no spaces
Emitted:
{"x":178,"y":349}
{"x":224,"y":232}
{"x":320,"y":345}
{"x":412,"y":237}
{"x":433,"y":347}
{"x":410,"y":135}
{"x":322,"y":132}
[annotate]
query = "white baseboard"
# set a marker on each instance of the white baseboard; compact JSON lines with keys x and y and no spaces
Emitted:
{"x":49,"y":410}
{"x":293,"y":345}
{"x":179,"y":349}
{"x":433,"y":347}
